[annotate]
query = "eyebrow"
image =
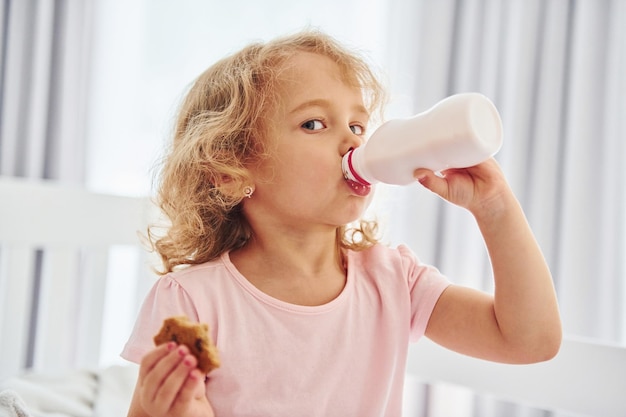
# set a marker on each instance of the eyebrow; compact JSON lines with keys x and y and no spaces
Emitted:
{"x":320,"y":102}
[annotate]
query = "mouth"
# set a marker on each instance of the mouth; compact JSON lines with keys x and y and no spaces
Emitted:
{"x":357,"y":184}
{"x":358,"y":188}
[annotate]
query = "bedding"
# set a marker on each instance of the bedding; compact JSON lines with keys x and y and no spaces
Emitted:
{"x":103,"y":392}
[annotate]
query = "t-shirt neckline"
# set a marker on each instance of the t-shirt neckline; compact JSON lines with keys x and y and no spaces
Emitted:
{"x":283,"y":305}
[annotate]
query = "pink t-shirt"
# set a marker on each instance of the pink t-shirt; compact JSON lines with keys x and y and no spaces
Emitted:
{"x":343,"y":358}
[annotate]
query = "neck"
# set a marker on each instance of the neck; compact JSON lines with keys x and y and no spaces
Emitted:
{"x":296,"y":256}
{"x":300,"y":272}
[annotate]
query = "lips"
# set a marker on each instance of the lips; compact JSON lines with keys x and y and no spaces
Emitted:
{"x":358,"y":188}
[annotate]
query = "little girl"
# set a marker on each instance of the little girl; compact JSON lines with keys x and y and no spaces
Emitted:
{"x":311,"y":315}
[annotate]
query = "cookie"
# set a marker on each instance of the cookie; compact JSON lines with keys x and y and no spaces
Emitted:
{"x":193,"y":335}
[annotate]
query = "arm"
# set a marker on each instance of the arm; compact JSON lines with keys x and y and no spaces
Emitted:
{"x":520,"y":323}
{"x":169,"y":385}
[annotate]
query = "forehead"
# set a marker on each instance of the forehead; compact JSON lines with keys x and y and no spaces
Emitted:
{"x":308,"y":74}
{"x":303,"y":62}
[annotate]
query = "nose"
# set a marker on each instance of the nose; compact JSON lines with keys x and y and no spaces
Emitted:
{"x":350,"y":141}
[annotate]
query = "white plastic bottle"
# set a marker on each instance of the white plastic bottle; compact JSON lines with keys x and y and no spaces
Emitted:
{"x":460,"y":131}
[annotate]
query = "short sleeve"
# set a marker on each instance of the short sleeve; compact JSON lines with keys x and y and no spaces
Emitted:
{"x":167,"y":298}
{"x":425,"y":284}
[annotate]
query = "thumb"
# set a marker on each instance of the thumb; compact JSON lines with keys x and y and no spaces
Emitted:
{"x":421,"y":174}
{"x":431,"y":181}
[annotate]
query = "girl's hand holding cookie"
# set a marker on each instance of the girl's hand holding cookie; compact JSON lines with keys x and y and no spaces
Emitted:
{"x":170,"y":384}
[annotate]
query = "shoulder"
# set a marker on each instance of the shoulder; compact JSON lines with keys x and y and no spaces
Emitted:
{"x":381,"y":261}
{"x":197,"y":274}
{"x":191,"y":271}
{"x":384,"y":257}
{"x":193,"y":285}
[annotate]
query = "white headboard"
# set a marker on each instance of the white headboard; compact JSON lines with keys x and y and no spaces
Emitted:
{"x":55,"y":242}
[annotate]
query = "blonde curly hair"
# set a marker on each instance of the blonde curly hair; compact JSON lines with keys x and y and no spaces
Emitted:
{"x":221,"y":129}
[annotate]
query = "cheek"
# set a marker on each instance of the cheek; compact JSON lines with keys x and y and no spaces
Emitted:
{"x":309,"y":170}
{"x":320,"y":173}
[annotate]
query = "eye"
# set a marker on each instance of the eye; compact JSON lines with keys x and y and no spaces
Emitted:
{"x":357,"y":129}
{"x":314,"y":124}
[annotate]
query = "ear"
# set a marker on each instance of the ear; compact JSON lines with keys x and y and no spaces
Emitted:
{"x":233,"y":187}
{"x":226,"y":185}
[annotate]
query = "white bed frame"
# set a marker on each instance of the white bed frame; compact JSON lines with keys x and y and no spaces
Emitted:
{"x":75,"y":229}
{"x":64,"y":236}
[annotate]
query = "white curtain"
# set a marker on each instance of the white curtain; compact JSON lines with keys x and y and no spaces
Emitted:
{"x":44,"y":74}
{"x":556,"y":70}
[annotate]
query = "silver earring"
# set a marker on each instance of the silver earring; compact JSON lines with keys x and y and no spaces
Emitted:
{"x":248,"y":191}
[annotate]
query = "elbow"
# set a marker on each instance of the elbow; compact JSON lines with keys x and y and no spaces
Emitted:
{"x":552,"y":342}
{"x":549,"y":350}
{"x":554,"y":346}
{"x":543,"y":348}
{"x":547,"y":338}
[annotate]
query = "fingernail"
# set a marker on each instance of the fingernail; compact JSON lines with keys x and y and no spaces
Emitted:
{"x":171,"y":346}
{"x":182,"y":350}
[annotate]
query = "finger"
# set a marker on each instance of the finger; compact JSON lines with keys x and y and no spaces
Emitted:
{"x":173,"y":382}
{"x":421,"y":174}
{"x":148,"y":379}
{"x":159,"y":373}
{"x":432,"y":181}
{"x":149,"y":361}
{"x":192,"y":388}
